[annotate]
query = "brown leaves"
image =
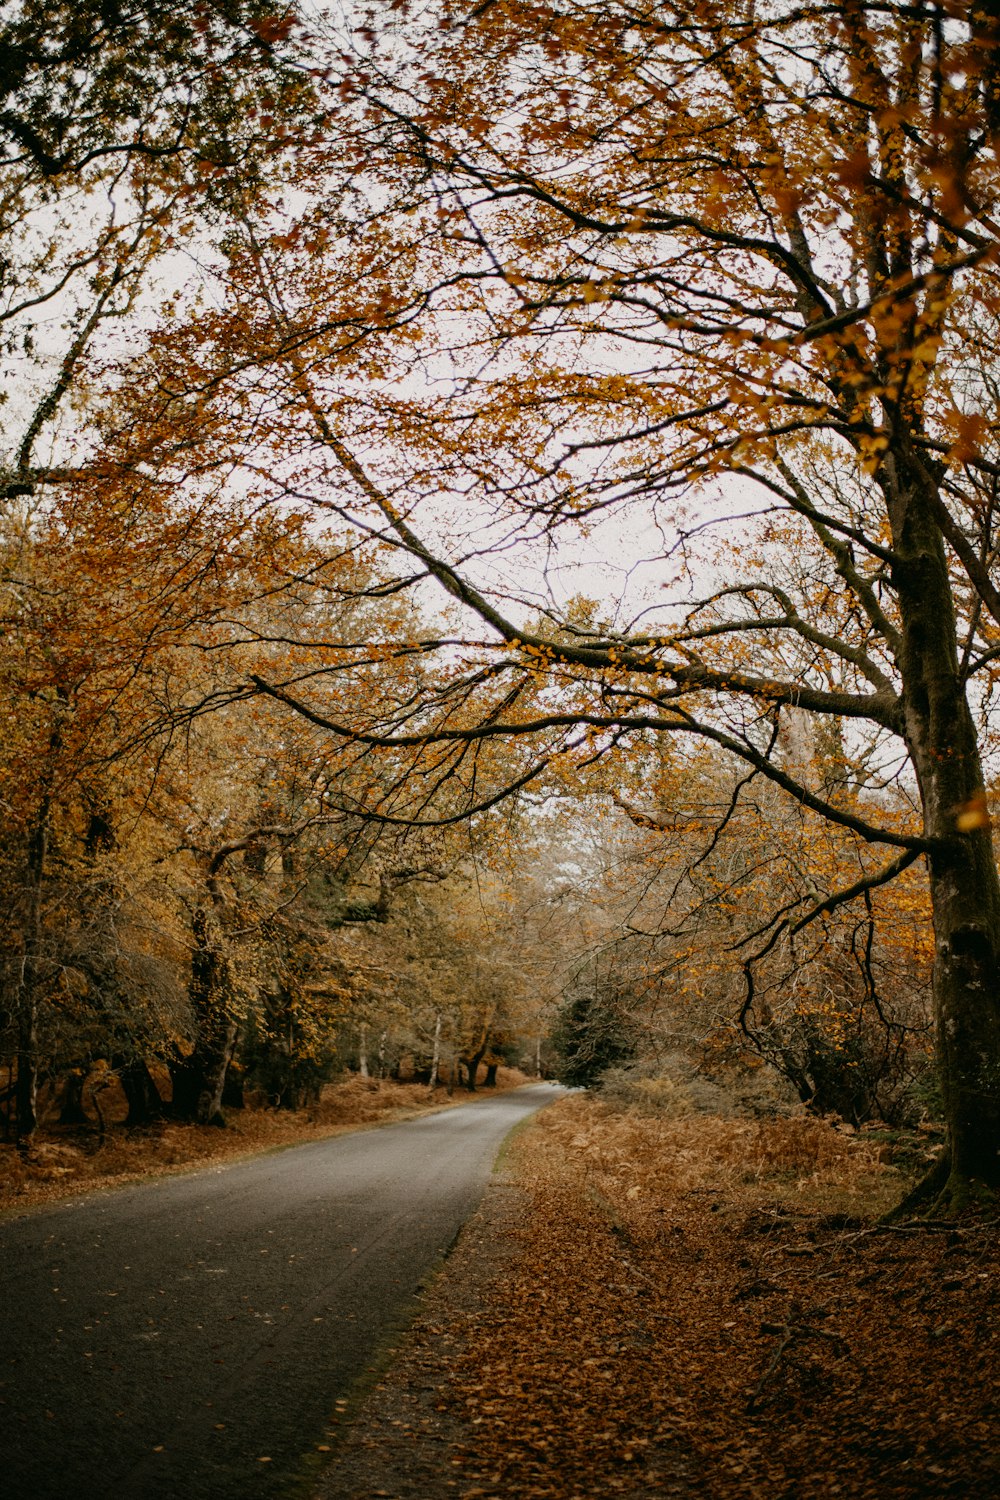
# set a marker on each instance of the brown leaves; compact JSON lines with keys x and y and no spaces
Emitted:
{"x":620,"y":1347}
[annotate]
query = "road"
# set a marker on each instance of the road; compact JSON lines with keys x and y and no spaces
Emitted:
{"x":192,"y":1336}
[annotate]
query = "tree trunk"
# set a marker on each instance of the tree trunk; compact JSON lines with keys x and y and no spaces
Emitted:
{"x":144,"y":1102}
{"x":490,"y":1081}
{"x":471,"y":1062}
{"x":71,"y":1110}
{"x":436,"y":1054}
{"x":27,"y":996}
{"x":363,"y":1050}
{"x":965,"y":904}
{"x":964,"y":886}
{"x":26,"y":1098}
{"x":199,"y":1080}
{"x":234,"y":1089}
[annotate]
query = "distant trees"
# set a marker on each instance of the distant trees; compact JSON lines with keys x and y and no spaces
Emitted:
{"x":181,"y":888}
{"x":695,"y":859}
{"x":591,"y":1035}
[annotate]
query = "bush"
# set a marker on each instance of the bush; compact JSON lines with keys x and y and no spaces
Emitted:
{"x":592,"y":1034}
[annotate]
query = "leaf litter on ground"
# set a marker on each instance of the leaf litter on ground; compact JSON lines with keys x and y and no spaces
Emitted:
{"x":693,"y":1307}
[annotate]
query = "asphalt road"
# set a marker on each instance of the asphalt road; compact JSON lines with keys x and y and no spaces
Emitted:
{"x":191,"y":1337}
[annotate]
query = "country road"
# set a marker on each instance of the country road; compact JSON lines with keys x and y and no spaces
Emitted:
{"x":190,"y":1337}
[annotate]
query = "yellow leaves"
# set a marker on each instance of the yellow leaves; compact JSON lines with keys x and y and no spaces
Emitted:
{"x":972,"y":814}
{"x":592,"y":292}
{"x":871,"y":450}
{"x":927,"y":350}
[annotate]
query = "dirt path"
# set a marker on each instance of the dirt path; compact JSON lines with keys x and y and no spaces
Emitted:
{"x":692,"y":1308}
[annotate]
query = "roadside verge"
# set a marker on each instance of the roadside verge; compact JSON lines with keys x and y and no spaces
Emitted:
{"x":695,"y":1307}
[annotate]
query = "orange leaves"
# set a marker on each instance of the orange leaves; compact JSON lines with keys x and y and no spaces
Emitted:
{"x":271,"y":29}
{"x":969,"y":433}
{"x":973,"y":814}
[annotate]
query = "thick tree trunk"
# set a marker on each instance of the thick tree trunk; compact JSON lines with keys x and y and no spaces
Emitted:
{"x":966,"y":970}
{"x":71,"y":1110}
{"x":964,"y":886}
{"x":144,"y":1102}
{"x":234,"y":1089}
{"x":212,"y":1062}
{"x":199,"y":1080}
{"x":471,"y":1062}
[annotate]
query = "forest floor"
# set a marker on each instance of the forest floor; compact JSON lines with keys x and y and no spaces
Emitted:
{"x":694,"y":1307}
{"x":66,"y":1160}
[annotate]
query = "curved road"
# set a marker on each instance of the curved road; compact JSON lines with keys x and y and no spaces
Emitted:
{"x":191,"y":1337}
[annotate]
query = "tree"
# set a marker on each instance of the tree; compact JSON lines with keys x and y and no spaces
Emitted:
{"x":591,"y":1035}
{"x":112,"y":606}
{"x":840,"y":1005}
{"x":744,"y":242}
{"x":125,"y":130}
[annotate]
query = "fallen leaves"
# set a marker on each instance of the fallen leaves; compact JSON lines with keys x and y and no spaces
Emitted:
{"x":726,"y":1331}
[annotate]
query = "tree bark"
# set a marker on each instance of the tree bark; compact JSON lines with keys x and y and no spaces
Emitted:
{"x":144,"y":1102}
{"x":26,"y":1098}
{"x":436,"y":1053}
{"x":964,"y":886}
{"x":71,"y":1110}
{"x":471,"y":1062}
{"x":199,"y":1080}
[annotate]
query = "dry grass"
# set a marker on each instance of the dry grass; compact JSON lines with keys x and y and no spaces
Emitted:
{"x":803,"y":1163}
{"x":63,"y":1162}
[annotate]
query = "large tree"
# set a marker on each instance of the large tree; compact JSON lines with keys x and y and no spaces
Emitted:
{"x":126,"y":132}
{"x":732,"y":258}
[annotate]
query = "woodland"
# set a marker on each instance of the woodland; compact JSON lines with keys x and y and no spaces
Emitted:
{"x":498,"y":557}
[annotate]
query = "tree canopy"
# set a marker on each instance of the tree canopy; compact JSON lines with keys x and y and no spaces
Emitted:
{"x":708,"y":291}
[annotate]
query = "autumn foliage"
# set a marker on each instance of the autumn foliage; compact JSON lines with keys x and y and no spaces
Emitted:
{"x":425,"y":425}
